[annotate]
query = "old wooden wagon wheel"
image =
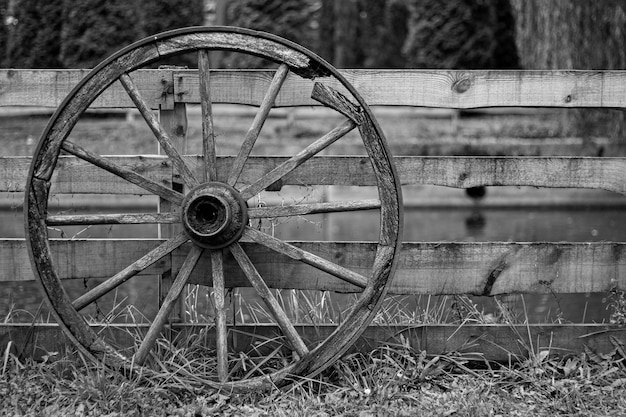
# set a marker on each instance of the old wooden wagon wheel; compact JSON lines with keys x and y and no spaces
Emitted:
{"x":212,"y":207}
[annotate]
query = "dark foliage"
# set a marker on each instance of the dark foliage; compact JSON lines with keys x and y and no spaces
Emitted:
{"x":296,"y":20}
{"x":347,"y":52}
{"x":162,"y":15}
{"x":32,"y":34}
{"x":326,"y":24}
{"x":94,"y":29}
{"x":363,"y":33}
{"x":6,"y":21}
{"x":462,"y":34}
{"x":81,"y":33}
{"x":396,"y":20}
{"x":348,"y":33}
{"x":505,"y":55}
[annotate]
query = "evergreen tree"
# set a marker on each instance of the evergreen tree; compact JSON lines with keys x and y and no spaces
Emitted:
{"x":162,"y":15}
{"x":347,"y":53}
{"x":33,"y":39}
{"x":506,"y":55}
{"x":452,"y":34}
{"x":363,"y":33}
{"x":326,"y":27}
{"x":296,"y":20}
{"x":94,"y":29}
{"x":382,"y":32}
{"x":6,"y":21}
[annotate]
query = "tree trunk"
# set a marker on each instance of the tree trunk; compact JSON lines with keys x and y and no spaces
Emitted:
{"x":575,"y":34}
{"x":345,"y":34}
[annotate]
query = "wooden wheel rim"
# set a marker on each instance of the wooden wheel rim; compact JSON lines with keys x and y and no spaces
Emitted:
{"x":301,"y":62}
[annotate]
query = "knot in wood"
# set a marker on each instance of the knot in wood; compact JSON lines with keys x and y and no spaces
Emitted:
{"x":462,"y":85}
{"x":167,"y":88}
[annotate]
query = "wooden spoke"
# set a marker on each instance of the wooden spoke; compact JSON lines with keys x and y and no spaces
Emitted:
{"x":130,"y":271}
{"x":124,"y":218}
{"x":312,"y":208}
{"x":208,"y":134}
{"x":160,"y":133}
{"x":168,"y":304}
{"x":264,"y":292}
{"x":125,"y":173}
{"x":257,"y":124}
{"x":337,"y":101}
{"x":217,"y":268}
{"x":298,"y":159}
{"x":307,"y":257}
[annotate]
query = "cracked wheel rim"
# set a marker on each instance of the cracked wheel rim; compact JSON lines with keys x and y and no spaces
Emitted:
{"x":211,"y":206}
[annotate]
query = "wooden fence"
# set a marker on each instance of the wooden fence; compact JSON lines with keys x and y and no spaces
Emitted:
{"x":488,"y":268}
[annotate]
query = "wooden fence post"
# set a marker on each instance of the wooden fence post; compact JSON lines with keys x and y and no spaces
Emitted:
{"x":173,"y":118}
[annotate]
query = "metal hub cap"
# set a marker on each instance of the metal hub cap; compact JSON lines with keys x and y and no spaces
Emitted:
{"x":214,"y":215}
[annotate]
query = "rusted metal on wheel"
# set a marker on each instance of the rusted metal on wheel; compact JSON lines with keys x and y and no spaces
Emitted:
{"x":213,"y":213}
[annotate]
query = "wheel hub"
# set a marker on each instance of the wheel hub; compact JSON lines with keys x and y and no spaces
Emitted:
{"x":214,"y":215}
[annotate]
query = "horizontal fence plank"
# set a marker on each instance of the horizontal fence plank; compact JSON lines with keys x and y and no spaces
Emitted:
{"x":48,"y":88}
{"x":554,"y":172}
{"x":428,"y":88}
{"x":502,"y":146}
{"x":493,"y":342}
{"x":96,"y":258}
{"x":489,"y":268}
{"x":76,"y":176}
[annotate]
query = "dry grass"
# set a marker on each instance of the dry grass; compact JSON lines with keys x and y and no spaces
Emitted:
{"x":394,"y":379}
{"x":390,"y":380}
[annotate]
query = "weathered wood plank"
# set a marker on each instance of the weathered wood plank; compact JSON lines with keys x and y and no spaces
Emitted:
{"x":429,"y":88}
{"x":502,"y":146}
{"x":48,"y":88}
{"x":434,"y":88}
{"x":75,"y":176}
{"x":494,"y":342}
{"x":67,"y":256}
{"x":464,"y":172}
{"x":424,"y":268}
